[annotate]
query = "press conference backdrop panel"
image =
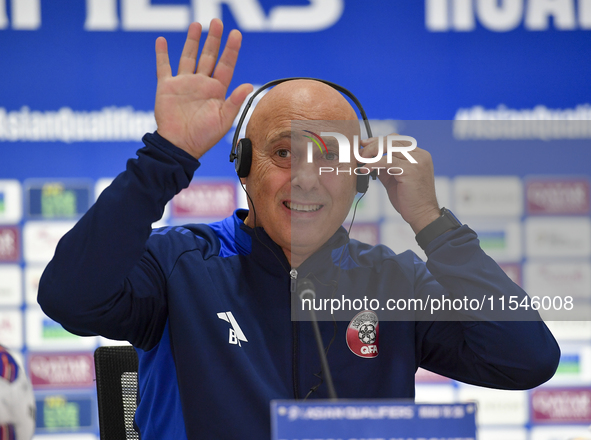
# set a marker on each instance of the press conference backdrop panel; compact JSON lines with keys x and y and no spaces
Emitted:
{"x":77,"y":93}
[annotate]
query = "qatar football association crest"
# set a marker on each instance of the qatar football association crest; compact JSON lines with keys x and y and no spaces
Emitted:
{"x":363,"y":334}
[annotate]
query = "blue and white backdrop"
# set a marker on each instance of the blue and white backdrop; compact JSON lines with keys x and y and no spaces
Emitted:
{"x":77,"y":90}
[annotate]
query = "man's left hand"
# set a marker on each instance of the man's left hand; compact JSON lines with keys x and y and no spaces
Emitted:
{"x":412,"y":193}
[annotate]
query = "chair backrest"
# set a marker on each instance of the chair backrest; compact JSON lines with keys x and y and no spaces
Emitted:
{"x":116,"y":386}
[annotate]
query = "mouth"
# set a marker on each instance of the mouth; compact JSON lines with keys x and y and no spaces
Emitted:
{"x":298,"y":207}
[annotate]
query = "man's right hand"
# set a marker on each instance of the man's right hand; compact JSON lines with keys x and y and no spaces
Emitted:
{"x":191,"y":109}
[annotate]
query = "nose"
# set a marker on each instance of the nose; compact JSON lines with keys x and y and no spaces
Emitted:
{"x":304,"y":176}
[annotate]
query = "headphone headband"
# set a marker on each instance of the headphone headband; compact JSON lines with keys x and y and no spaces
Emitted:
{"x":270,"y":84}
{"x":241,"y":152}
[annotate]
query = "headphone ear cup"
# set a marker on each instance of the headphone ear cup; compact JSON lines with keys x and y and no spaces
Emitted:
{"x":362,"y":183}
{"x":243,"y":157}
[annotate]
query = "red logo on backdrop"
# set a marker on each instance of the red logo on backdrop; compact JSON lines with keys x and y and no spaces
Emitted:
{"x":558,"y":196}
{"x":363,"y":334}
{"x":571,"y":405}
{"x":206,"y":200}
{"x":61,"y":370}
{"x":9,"y":243}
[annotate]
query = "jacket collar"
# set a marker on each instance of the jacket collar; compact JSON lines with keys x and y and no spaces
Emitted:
{"x":257,"y":243}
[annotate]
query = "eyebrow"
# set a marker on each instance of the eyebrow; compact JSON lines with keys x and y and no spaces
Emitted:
{"x":329,"y":141}
{"x":279,"y":136}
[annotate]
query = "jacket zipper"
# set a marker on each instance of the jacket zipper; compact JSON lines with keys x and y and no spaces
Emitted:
{"x":293,"y":274}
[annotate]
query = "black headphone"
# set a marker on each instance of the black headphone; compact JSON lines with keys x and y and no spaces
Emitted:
{"x":241,"y":153}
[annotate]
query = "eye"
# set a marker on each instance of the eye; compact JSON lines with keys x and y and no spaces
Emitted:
{"x":283,"y":153}
{"x":331,"y":156}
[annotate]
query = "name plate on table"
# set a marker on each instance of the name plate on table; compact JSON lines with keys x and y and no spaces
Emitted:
{"x":371,"y":420}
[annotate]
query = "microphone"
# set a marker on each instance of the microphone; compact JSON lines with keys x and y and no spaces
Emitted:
{"x":306,"y":290}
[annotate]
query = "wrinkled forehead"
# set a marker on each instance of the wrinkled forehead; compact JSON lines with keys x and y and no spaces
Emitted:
{"x":315,"y":104}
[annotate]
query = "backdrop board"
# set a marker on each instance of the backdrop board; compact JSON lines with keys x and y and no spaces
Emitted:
{"x":77,"y":84}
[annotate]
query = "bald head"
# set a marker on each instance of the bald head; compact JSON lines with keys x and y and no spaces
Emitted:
{"x":299,"y":208}
{"x":299,"y":100}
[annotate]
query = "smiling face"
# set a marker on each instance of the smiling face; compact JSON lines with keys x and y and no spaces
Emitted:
{"x":298,"y":208}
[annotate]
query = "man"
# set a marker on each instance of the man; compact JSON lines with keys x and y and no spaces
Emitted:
{"x":208,"y":306}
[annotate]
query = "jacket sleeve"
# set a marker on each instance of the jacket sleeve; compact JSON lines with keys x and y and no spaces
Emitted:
{"x":101,"y":279}
{"x":511,"y":350}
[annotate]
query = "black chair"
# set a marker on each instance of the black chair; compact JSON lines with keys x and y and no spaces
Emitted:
{"x":116,"y":386}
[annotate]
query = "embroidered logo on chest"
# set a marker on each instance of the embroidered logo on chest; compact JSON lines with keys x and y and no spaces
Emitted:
{"x":236,"y":334}
{"x":363,"y":334}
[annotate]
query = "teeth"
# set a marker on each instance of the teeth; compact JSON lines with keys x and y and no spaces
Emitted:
{"x":302,"y":208}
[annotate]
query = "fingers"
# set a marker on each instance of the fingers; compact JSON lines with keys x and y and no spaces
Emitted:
{"x":225,"y":68}
{"x":232,"y":105}
{"x":190,"y":50}
{"x":211,"y":48}
{"x":162,"y":62}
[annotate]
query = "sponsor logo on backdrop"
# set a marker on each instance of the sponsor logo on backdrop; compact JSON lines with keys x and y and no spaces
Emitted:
{"x":10,"y":285}
{"x":399,"y":237}
{"x":488,"y":196}
{"x":501,"y":241}
{"x":513,"y":271}
{"x":558,"y":237}
{"x":549,"y":278}
{"x":11,"y":208}
{"x":366,"y":233}
{"x":32,"y":277}
{"x":45,"y":334}
{"x":570,"y":330}
{"x":205,"y":200}
{"x":61,"y":370}
{"x":64,"y":412}
{"x":497,"y":407}
{"x":110,"y":124}
{"x":571,"y":405}
{"x":443,"y":191}
{"x":369,"y":208}
{"x":493,"y":240}
{"x":11,"y":328}
{"x":57,"y":200}
{"x":40,"y":239}
{"x":574,"y":367}
{"x":52,"y":330}
{"x":144,"y":16}
{"x":564,"y":196}
{"x":363,"y":334}
{"x":537,"y":123}
{"x":580,"y":432}
{"x":435,"y":393}
{"x":505,"y":16}
{"x":569,"y":364}
{"x":9,"y":244}
{"x":495,"y":433}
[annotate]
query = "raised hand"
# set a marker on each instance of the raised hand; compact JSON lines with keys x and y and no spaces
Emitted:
{"x":191,"y":108}
{"x":412,"y":193}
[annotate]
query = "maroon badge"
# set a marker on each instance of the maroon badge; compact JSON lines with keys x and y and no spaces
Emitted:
{"x":9,"y":243}
{"x":362,"y":334}
{"x":205,"y":200}
{"x":561,"y":405}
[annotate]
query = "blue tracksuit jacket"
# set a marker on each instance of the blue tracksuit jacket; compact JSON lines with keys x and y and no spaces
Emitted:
{"x":208,"y":309}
